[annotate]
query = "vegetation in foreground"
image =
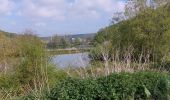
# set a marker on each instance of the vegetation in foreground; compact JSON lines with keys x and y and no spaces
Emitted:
{"x":25,"y":67}
{"x":122,"y":86}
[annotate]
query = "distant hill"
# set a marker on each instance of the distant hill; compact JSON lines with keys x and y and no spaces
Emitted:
{"x":8,"y":34}
{"x":82,"y":36}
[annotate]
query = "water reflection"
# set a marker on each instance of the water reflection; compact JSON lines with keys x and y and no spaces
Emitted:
{"x":71,"y":60}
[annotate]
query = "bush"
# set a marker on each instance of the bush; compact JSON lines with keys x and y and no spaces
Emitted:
{"x":123,"y":86}
{"x":29,"y":75}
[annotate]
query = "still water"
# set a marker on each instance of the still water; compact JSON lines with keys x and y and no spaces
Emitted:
{"x":71,"y":60}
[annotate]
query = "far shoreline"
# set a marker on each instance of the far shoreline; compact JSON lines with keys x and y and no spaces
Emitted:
{"x":67,"y":51}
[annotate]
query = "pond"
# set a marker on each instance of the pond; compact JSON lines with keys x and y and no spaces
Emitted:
{"x":71,"y":60}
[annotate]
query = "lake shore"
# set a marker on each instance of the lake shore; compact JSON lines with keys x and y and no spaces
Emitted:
{"x":67,"y":51}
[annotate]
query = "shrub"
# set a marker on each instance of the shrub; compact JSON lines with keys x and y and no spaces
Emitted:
{"x":122,"y":86}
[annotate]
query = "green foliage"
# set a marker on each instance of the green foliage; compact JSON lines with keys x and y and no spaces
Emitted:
{"x":33,"y":58}
{"x":58,"y":42}
{"x":122,"y":86}
{"x":146,"y":33}
{"x":32,"y":74}
{"x":8,"y":82}
{"x":75,"y":89}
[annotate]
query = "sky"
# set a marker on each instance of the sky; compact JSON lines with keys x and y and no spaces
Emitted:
{"x":49,"y":17}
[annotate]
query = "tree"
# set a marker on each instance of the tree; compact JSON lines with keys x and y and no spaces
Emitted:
{"x":77,"y":41}
{"x":64,"y":42}
{"x":134,"y":7}
{"x":54,"y":42}
{"x":147,"y":33}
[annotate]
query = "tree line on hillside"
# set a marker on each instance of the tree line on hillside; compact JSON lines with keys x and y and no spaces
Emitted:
{"x":145,"y":36}
{"x":61,"y":42}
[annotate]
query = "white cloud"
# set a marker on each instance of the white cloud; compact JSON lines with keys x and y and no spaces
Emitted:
{"x":6,"y":6}
{"x":42,"y":9}
{"x":40,"y":24}
{"x":62,"y":9}
{"x":95,"y":8}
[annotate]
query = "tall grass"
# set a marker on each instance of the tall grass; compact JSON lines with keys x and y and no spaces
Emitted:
{"x":30,"y":71}
{"x":117,"y":61}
